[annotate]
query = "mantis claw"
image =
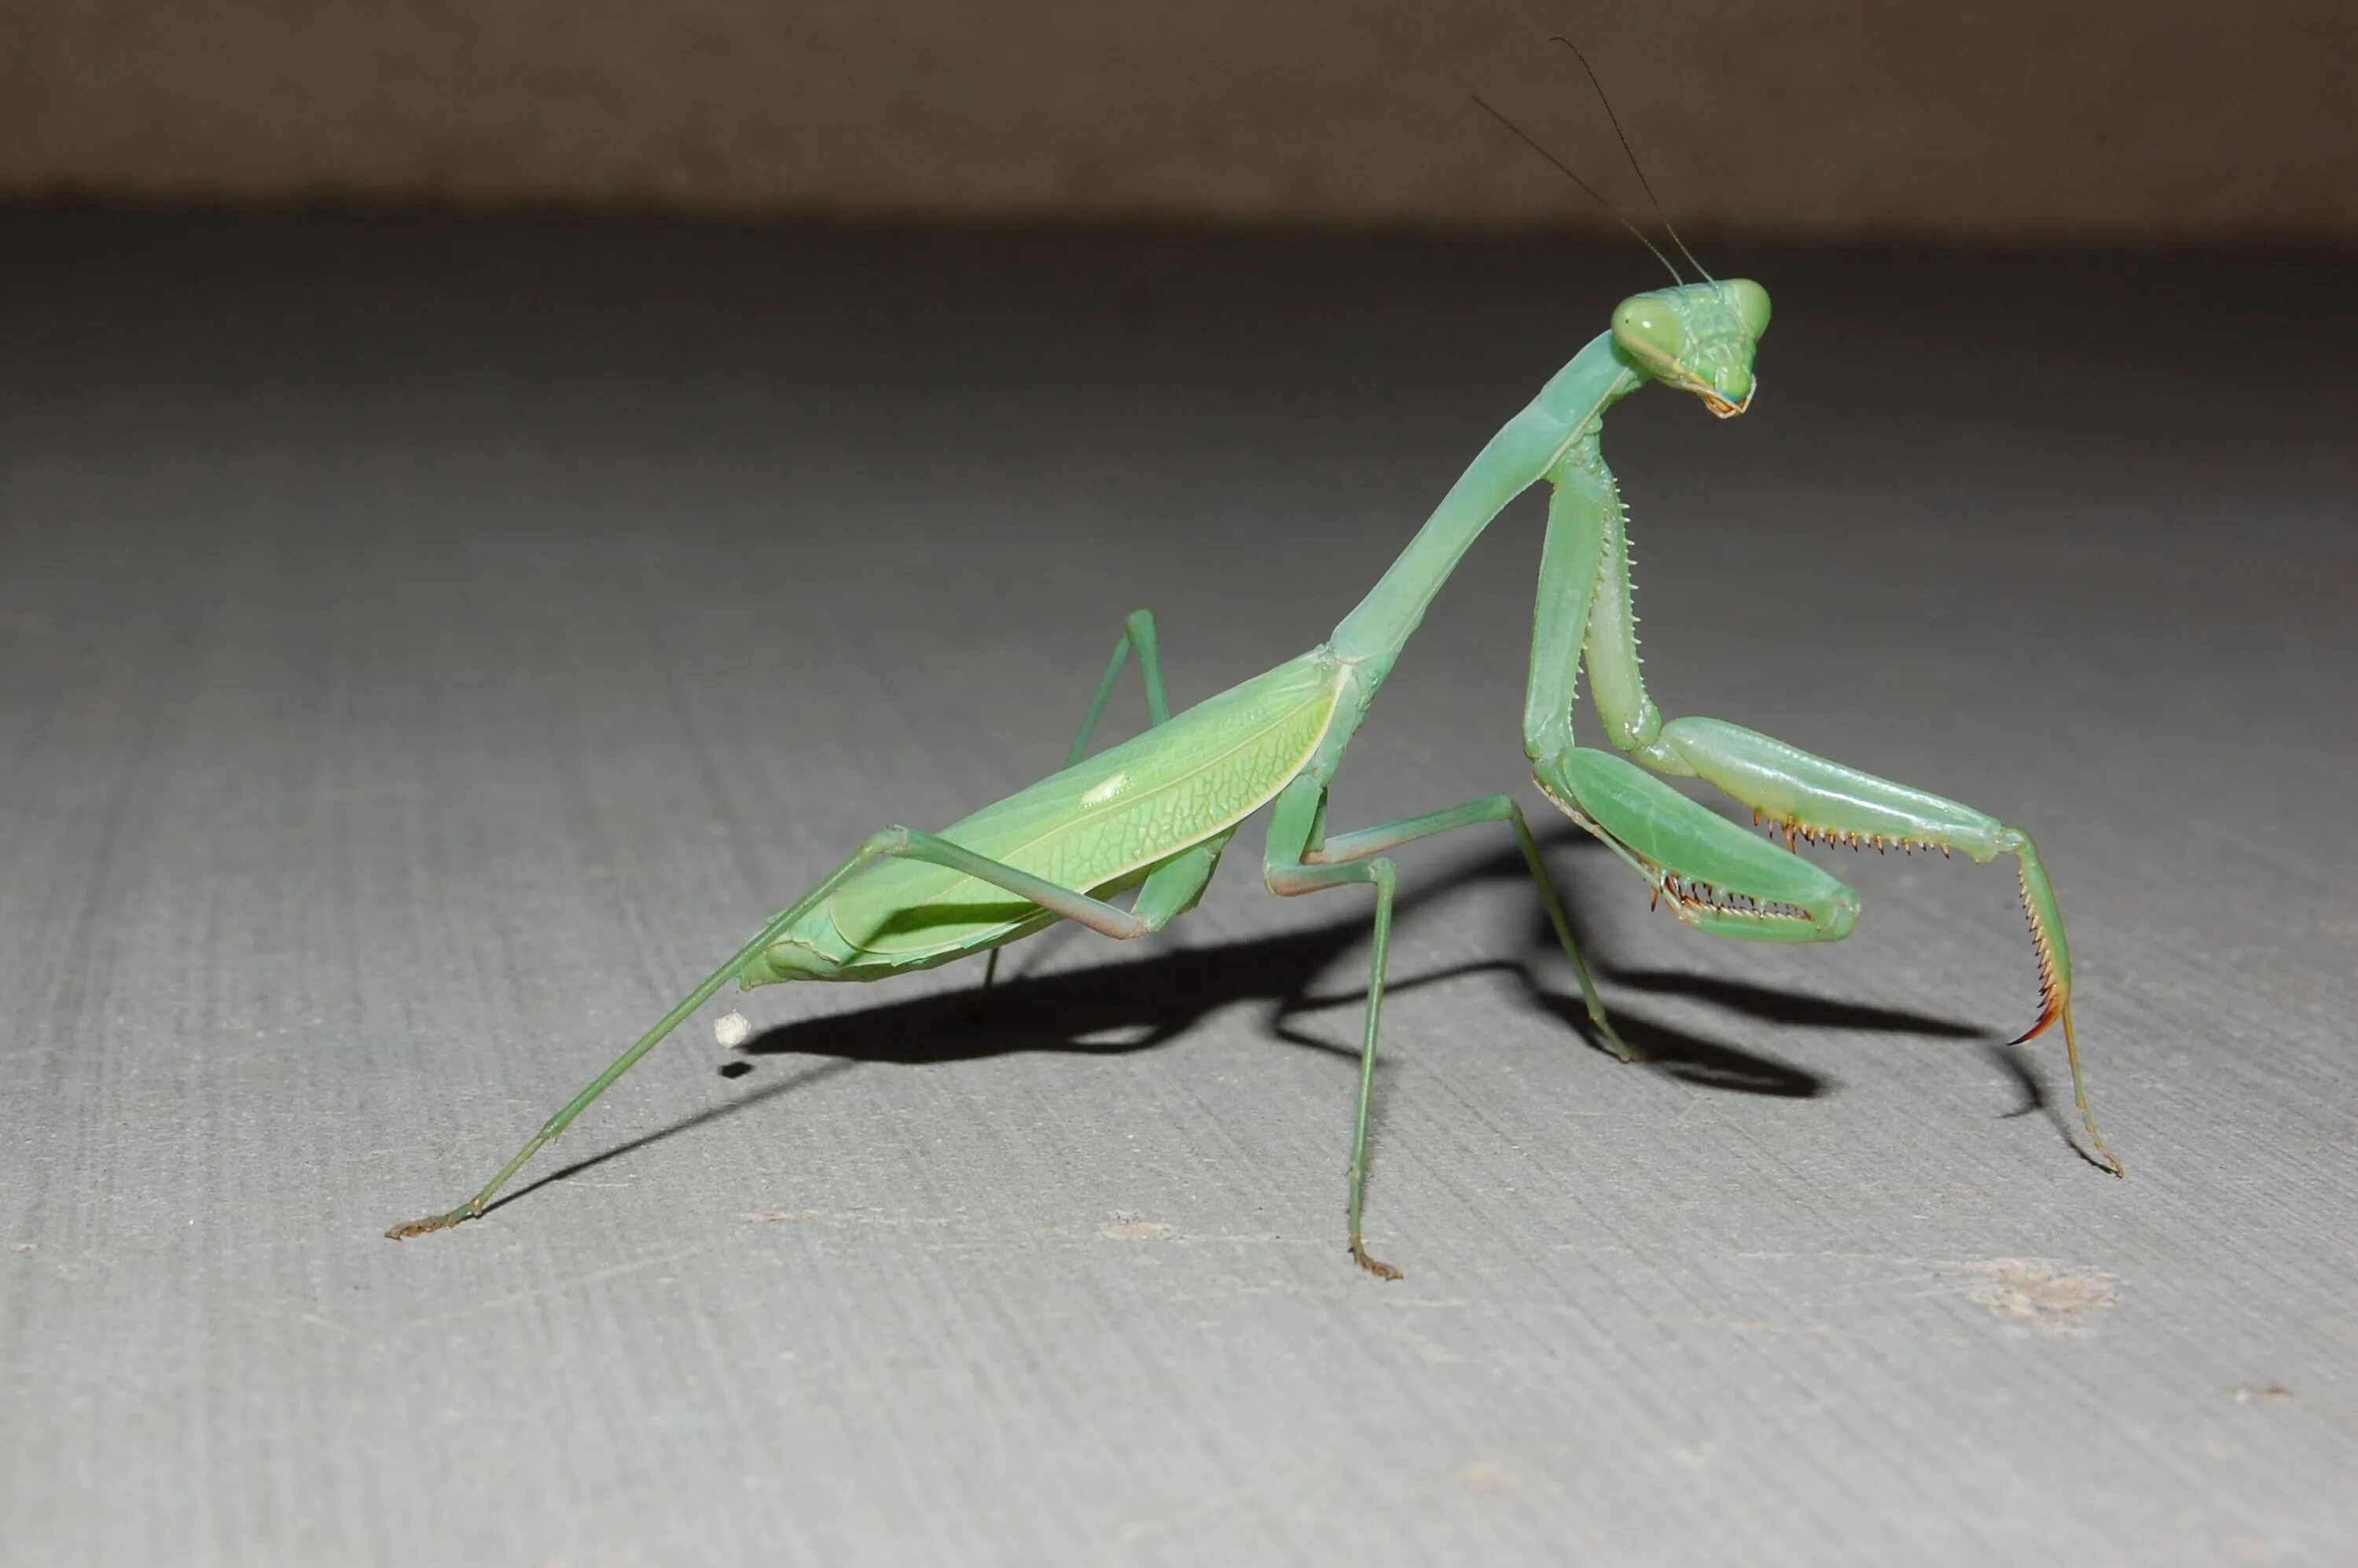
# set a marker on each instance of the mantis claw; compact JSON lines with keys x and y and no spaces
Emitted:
{"x":1622,"y":1049}
{"x":472,"y":1209}
{"x":1375,"y":1266}
{"x":431,"y":1223}
{"x":2046,"y":945}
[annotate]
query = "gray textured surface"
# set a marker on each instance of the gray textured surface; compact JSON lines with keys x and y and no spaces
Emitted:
{"x":427,"y":650}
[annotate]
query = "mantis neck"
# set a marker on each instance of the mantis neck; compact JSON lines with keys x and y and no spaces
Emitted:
{"x":1569,"y":410}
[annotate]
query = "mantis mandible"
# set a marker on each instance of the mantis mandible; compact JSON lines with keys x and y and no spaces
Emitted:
{"x":1153,"y":814}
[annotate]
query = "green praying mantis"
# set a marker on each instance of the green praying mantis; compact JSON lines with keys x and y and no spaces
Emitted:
{"x":1153,"y":814}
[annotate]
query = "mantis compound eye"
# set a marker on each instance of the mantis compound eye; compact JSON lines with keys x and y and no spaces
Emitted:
{"x":1651,"y":330}
{"x":1750,"y":303}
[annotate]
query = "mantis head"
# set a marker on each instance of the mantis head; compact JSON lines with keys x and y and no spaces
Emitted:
{"x":1697,"y":336}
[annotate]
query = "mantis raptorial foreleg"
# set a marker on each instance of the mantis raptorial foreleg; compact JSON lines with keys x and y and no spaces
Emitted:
{"x":1808,"y":796}
{"x":1300,"y":859}
{"x":1718,"y":877}
{"x":1584,"y":610}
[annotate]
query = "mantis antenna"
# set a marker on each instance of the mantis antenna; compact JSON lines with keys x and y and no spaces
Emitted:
{"x":1566,"y":169}
{"x":1631,"y":154}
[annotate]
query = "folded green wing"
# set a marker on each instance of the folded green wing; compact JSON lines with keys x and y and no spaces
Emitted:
{"x":1108,"y":816}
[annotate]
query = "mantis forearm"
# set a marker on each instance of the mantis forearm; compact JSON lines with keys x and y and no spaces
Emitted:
{"x":1632,"y":720}
{"x":1584,"y":610}
{"x":1568,"y":572}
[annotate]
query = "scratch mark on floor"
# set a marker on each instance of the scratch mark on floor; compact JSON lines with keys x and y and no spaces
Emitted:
{"x":2048,"y":1297}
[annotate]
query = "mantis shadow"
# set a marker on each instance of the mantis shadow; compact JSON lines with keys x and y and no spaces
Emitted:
{"x":1144,"y":1003}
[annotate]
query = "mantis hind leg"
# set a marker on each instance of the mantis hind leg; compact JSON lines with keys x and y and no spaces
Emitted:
{"x":1173,"y":887}
{"x":1137,"y":637}
{"x":750,"y":953}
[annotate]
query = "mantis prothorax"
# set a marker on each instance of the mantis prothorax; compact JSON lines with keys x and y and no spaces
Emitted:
{"x":1154,"y":814}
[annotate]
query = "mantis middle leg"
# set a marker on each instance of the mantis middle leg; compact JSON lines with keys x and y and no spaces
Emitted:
{"x":1300,"y":859}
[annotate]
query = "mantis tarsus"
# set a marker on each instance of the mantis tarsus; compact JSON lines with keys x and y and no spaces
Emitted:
{"x":1154,"y":814}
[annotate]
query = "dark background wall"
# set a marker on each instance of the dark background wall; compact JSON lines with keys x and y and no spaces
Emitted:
{"x":2016,"y":119}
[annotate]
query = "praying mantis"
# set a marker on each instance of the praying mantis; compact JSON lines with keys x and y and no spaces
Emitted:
{"x":1153,"y":814}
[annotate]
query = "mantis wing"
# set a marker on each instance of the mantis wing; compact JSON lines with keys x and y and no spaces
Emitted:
{"x":1106,"y":818}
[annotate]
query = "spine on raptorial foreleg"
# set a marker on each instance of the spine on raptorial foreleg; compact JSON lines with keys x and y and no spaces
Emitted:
{"x":1632,"y":722}
{"x":2054,"y":978}
{"x":2038,"y":906}
{"x":1809,"y":797}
